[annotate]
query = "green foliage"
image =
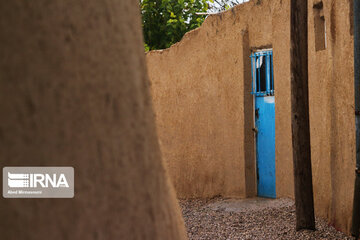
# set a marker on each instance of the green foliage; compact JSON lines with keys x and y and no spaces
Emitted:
{"x":223,"y":5}
{"x":166,"y":21}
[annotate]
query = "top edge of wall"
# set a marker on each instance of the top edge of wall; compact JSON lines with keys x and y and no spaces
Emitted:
{"x":238,"y":9}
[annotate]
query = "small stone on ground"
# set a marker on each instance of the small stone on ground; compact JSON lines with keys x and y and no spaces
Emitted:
{"x":257,"y":218}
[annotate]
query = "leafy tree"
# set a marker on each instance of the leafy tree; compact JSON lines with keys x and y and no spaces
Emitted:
{"x":166,"y":21}
{"x":222,"y":5}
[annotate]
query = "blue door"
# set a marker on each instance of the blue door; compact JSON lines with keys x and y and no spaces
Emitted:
{"x":263,"y":91}
{"x":265,"y":145}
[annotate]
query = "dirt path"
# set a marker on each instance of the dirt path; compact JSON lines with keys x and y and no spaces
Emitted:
{"x":229,"y":219}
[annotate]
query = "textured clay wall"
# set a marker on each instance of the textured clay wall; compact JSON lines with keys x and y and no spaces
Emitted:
{"x":201,"y":92}
{"x":332,"y":122}
{"x":204,"y":111}
{"x":74,"y":92}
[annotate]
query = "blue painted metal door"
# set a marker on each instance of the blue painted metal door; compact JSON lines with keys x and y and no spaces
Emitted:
{"x":265,"y":145}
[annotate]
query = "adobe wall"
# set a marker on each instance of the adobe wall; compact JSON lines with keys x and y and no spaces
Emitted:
{"x":332,"y":119}
{"x":201,"y":92}
{"x":204,"y":110}
{"x":74,"y":92}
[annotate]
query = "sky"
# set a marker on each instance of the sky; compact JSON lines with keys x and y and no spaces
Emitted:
{"x":216,"y":6}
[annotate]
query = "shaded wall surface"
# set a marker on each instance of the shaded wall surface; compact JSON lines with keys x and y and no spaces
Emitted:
{"x":73,"y":92}
{"x":204,"y":110}
{"x":332,"y":119}
{"x":204,"y":113}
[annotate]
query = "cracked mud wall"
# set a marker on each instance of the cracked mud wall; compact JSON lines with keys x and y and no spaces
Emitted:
{"x":74,"y":92}
{"x":204,"y":110}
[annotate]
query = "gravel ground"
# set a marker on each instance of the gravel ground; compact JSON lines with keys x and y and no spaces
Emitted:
{"x":219,"y":219}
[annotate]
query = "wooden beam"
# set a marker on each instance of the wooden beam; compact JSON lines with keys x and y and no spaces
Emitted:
{"x":300,"y":117}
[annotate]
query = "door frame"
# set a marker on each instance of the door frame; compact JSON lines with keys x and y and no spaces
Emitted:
{"x":255,"y":95}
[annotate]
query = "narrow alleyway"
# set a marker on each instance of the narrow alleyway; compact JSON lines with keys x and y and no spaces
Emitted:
{"x":263,"y":219}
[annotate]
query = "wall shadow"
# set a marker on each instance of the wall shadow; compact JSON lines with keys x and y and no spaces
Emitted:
{"x":250,"y":172}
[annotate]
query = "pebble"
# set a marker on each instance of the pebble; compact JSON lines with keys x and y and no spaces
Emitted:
{"x":206,"y":223}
